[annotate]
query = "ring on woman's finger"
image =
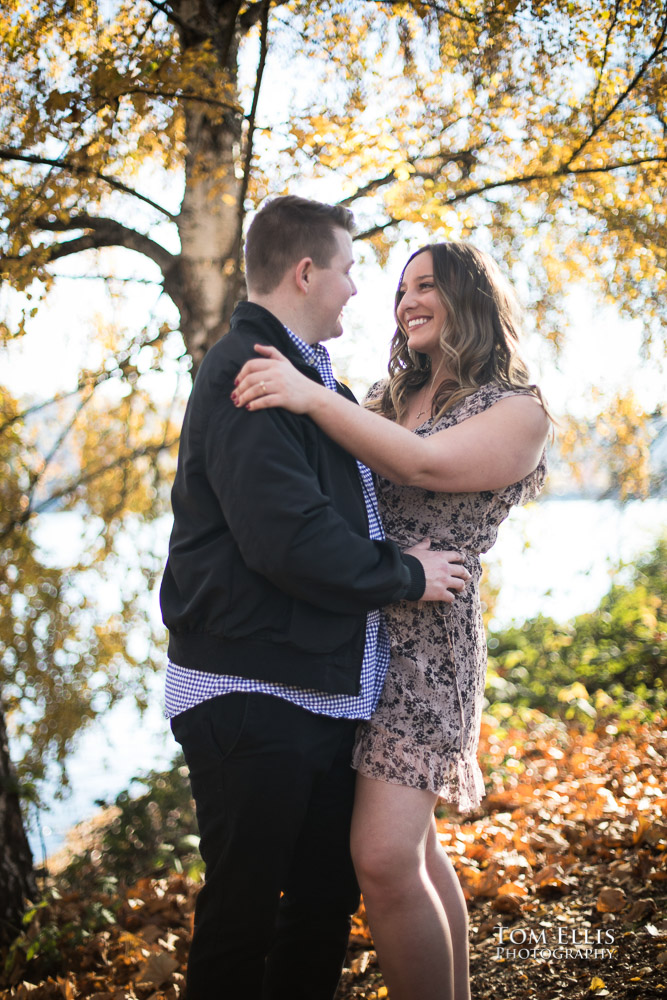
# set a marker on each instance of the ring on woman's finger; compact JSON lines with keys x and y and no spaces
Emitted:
{"x":263,"y":388}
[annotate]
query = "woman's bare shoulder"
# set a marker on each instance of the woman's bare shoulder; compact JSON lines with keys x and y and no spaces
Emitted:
{"x":526,"y":405}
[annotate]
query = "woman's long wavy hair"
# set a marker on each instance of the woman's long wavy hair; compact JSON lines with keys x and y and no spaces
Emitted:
{"x":479,"y":338}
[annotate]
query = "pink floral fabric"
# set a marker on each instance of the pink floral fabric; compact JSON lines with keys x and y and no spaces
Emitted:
{"x":425,"y":731}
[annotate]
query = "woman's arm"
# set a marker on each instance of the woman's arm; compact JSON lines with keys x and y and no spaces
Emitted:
{"x":486,"y":452}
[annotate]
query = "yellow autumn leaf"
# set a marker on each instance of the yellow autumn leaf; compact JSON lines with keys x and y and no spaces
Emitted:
{"x":573,"y":692}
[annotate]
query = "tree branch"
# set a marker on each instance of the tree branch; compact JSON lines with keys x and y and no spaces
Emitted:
{"x":373,"y":185}
{"x":619,"y":100}
{"x":263,"y":49}
{"x":603,"y":62}
{"x":106,"y":233}
{"x":80,"y":170}
{"x":71,"y":487}
{"x":138,"y":42}
{"x":564,"y":171}
{"x":374,"y":230}
{"x":37,"y":476}
{"x":433,"y":5}
{"x":254,"y":12}
{"x":464,"y":155}
{"x":110,"y":278}
{"x":175,"y":19}
{"x":182,"y":96}
{"x":90,"y":381}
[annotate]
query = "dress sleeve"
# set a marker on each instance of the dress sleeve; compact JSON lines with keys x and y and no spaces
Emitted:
{"x":375,"y":391}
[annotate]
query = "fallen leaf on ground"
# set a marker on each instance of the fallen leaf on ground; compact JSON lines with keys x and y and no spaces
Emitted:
{"x":611,"y":900}
{"x":157,"y":969}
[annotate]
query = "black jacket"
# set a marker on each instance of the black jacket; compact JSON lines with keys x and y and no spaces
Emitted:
{"x":270,"y":571}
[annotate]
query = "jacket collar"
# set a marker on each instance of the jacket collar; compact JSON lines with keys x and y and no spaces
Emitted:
{"x":273,"y":331}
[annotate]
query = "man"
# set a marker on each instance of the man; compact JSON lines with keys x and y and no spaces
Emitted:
{"x":277,"y":564}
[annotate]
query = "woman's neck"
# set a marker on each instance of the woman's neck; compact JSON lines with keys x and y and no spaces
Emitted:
{"x":421,"y":400}
{"x":440,"y":371}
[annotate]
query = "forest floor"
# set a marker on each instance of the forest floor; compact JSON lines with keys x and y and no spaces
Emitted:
{"x":564,"y":867}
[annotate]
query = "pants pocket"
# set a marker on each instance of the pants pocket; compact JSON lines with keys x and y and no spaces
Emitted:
{"x":214,"y":727}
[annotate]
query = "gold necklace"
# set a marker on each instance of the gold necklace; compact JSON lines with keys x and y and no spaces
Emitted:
{"x":424,"y":395}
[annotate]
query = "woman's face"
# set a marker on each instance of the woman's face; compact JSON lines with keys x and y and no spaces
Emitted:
{"x":420,"y":311}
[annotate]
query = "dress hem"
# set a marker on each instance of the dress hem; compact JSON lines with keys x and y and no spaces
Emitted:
{"x":457,"y":780}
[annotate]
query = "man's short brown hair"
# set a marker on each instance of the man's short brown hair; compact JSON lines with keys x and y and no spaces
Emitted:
{"x":284,"y":231}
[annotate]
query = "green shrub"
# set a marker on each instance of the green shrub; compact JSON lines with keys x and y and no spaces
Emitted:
{"x":610,"y":661}
{"x":151,"y":834}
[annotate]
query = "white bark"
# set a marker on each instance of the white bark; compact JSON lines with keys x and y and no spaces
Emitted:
{"x":207,"y":228}
{"x":205,"y":284}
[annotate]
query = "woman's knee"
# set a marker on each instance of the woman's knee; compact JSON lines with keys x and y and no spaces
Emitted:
{"x":389,"y":829}
{"x":385,"y":865}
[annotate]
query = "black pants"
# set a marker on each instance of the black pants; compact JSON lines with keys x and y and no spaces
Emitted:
{"x":274,"y":789}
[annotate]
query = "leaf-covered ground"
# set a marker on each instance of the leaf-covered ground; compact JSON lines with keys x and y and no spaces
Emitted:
{"x":564,"y":867}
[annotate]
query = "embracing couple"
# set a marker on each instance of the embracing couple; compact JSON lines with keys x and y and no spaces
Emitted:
{"x":319,"y":730}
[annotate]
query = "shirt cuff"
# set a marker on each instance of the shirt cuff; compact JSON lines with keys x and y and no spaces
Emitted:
{"x":417,"y":584}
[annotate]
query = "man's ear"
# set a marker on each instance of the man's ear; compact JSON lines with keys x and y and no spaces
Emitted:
{"x":303,"y":273}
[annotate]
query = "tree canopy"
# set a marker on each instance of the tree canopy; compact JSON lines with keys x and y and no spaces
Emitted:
{"x":534,"y":127}
{"x":539,"y":125}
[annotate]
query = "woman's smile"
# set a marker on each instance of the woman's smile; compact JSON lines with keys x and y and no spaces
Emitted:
{"x":420,"y":312}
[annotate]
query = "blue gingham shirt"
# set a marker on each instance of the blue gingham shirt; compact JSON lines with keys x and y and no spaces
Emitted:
{"x":186,"y":688}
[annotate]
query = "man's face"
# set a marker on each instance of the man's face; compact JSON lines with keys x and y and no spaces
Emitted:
{"x":330,"y":289}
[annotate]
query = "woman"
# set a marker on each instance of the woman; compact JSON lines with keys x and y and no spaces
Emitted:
{"x":456,"y":436}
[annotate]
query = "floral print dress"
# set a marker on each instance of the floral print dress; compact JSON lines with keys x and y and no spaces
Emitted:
{"x":425,"y":730}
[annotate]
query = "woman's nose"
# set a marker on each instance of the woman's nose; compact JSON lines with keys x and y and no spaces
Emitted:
{"x":407,"y":302}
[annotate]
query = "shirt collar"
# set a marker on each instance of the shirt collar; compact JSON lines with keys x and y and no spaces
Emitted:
{"x":307,"y":351}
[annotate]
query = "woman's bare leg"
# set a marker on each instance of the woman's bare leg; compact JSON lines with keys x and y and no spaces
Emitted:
{"x":391,"y":827}
{"x":443,"y":876}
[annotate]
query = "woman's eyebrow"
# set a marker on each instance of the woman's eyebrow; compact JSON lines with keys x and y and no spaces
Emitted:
{"x":420,"y":278}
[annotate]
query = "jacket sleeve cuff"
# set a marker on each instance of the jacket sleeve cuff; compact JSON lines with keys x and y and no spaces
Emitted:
{"x":417,"y":584}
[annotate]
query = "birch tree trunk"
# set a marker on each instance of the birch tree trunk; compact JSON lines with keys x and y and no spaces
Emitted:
{"x":205,"y":283}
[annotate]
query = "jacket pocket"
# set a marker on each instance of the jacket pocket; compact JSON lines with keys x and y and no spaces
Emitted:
{"x":318,"y":631}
